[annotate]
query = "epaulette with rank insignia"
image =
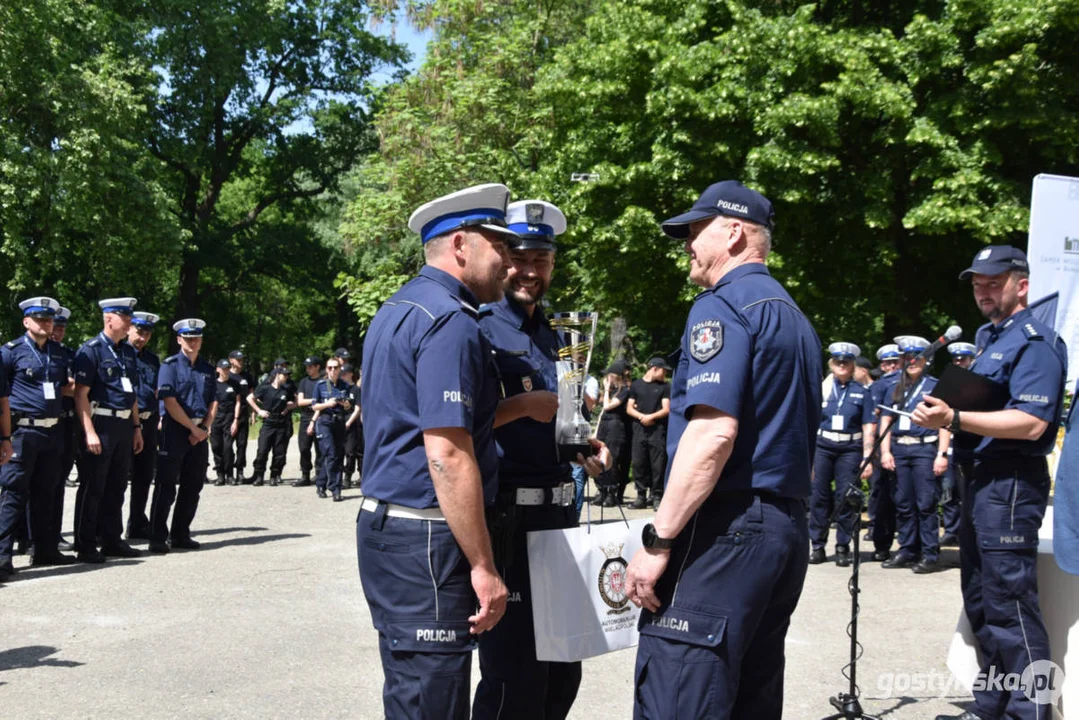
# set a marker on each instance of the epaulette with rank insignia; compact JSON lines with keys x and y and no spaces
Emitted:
{"x":1031,"y":332}
{"x":169,"y":359}
{"x":11,"y":345}
{"x":93,"y":341}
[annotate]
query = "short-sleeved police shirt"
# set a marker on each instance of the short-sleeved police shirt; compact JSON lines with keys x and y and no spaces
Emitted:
{"x":192,"y":384}
{"x":846,"y":408}
{"x":748,"y":351}
{"x":148,"y":364}
{"x":28,"y":370}
{"x":435,"y":369}
{"x":908,"y":399}
{"x":110,"y":370}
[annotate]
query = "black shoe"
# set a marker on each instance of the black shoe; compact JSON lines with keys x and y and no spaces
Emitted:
{"x":220,"y":481}
{"x":900,"y":560}
{"x":842,"y":556}
{"x":6,"y":571}
{"x":656,"y":501}
{"x":185,"y":544}
{"x":924,"y":567}
{"x":965,"y":716}
{"x":346,"y":483}
{"x":817,"y":556}
{"x":949,"y":540}
{"x":337,"y":496}
{"x":257,"y":482}
{"x":609,"y":501}
{"x":91,"y":556}
{"x":322,"y":493}
{"x":274,"y":481}
{"x":639,"y":504}
{"x":881,"y":555}
{"x":868,"y":537}
{"x":64,"y":546}
{"x":138,"y":532}
{"x":302,"y":483}
{"x":21,"y":548}
{"x":52,"y":559}
{"x":159,"y":547}
{"x":120,"y":549}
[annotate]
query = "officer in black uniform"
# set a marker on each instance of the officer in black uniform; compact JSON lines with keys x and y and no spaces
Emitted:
{"x":353,"y":428}
{"x":72,"y":438}
{"x":332,"y":406}
{"x":724,"y":562}
{"x":226,"y":424}
{"x":185,"y":387}
{"x":648,"y":405}
{"x":536,"y":489}
{"x":305,"y":393}
{"x":273,"y":402}
{"x":144,"y":463}
{"x":1004,"y":477}
{"x":106,"y":374}
{"x":431,"y":465}
{"x":35,"y":372}
{"x":615,"y":430}
{"x":245,"y":386}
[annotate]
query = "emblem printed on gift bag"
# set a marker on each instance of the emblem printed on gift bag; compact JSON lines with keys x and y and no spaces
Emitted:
{"x":612,"y":579}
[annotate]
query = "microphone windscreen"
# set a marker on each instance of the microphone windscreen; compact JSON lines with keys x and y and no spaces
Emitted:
{"x":954,"y":333}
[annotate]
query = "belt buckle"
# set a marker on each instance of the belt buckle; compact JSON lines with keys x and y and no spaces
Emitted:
{"x":566,"y":493}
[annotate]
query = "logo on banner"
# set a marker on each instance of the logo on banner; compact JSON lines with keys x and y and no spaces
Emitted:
{"x":612,"y":579}
{"x":1071,"y":245}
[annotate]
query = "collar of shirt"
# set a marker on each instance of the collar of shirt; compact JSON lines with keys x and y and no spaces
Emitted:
{"x":736,"y":274}
{"x":109,"y":342}
{"x":456,"y":288}
{"x":515,"y":312}
{"x":995,"y":331}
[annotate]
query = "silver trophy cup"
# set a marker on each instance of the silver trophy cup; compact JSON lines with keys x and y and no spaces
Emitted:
{"x":577,"y":331}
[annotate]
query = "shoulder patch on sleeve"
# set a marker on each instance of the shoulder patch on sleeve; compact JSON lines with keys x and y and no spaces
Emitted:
{"x":705,"y":340}
{"x":1031,"y":332}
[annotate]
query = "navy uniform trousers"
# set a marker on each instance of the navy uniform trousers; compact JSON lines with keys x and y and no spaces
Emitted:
{"x":917,"y":492}
{"x":99,"y":502}
{"x":418,"y":586}
{"x":181,"y":473}
{"x":716,"y":647}
{"x":71,"y":437}
{"x":950,"y":509}
{"x":31,"y":480}
{"x":1003,"y":506}
{"x":330,"y":434}
{"x":514,"y":684}
{"x":143,"y":467}
{"x":882,"y":489}
{"x":833,"y":461}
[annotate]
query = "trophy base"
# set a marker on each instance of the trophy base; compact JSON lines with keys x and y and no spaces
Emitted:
{"x":567,"y":452}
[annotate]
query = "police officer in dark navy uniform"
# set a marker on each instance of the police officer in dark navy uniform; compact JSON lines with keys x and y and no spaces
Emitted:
{"x":431,"y":466}
{"x":536,"y":489}
{"x":332,"y":405}
{"x":1004,"y":477}
{"x":144,"y":463}
{"x":185,"y":387}
{"x":847,"y":420}
{"x":724,"y":562}
{"x":35,"y":372}
{"x":950,"y":506}
{"x":881,"y":506}
{"x":106,"y":375}
{"x":72,"y":438}
{"x":245,"y":385}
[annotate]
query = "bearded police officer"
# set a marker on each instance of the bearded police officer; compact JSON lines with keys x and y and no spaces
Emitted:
{"x":724,"y":563}
{"x":35,"y":371}
{"x":431,"y":465}
{"x":106,"y":374}
{"x":1001,"y":468}
{"x":185,"y":387}
{"x":536,"y":490}
{"x":144,"y":463}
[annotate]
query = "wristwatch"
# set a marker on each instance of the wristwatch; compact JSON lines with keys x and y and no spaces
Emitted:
{"x":651,"y":540}
{"x":954,"y":426}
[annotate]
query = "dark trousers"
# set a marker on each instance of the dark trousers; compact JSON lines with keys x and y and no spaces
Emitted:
{"x":649,"y":459}
{"x":950,"y":510}
{"x":31,"y":479}
{"x":353,"y":449}
{"x":306,"y":443}
{"x":243,"y":429}
{"x":716,"y":647}
{"x":418,"y":586}
{"x":272,"y":438}
{"x":99,"y":501}
{"x":917,"y":492}
{"x":614,"y":481}
{"x":331,"y":441}
{"x":513,"y":683}
{"x":833,"y":462}
{"x":181,"y":473}
{"x":884,"y":522}
{"x":143,"y":467}
{"x":221,"y":442}
{"x":1003,"y":506}
{"x":71,"y":438}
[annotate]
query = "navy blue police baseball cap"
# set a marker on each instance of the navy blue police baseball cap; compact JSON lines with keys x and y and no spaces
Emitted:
{"x":730,"y":198}
{"x":997,"y":259}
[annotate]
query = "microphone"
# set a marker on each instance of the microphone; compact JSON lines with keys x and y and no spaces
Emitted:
{"x":950,"y":335}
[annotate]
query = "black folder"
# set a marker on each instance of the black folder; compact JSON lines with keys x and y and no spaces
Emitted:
{"x":965,"y":390}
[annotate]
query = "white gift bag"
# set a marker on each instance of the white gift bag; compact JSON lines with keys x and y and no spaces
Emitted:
{"x":578,"y":578}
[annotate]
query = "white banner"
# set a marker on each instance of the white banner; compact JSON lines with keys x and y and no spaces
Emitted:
{"x":578,"y":578}
{"x":1053,"y":252}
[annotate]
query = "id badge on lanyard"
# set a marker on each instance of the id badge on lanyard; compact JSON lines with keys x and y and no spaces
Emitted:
{"x":49,"y":389}
{"x":125,"y":383}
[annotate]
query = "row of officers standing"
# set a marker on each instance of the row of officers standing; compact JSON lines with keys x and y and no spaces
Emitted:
{"x":117,"y":412}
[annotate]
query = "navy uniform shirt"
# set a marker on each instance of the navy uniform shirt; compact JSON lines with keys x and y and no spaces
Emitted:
{"x":434,"y":369}
{"x":193,"y":385}
{"x":845,"y":410}
{"x":1020,"y":355}
{"x":748,"y":351}
{"x":29,"y":369}
{"x":526,"y":350}
{"x":326,"y":391}
{"x":147,"y":366}
{"x":110,"y":371}
{"x":912,"y":395}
